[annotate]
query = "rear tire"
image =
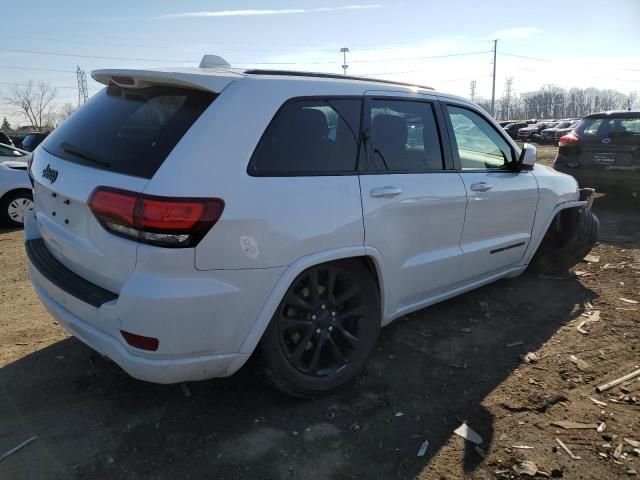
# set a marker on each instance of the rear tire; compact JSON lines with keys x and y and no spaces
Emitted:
{"x":569,"y":239}
{"x":14,"y":205}
{"x":323,"y":332}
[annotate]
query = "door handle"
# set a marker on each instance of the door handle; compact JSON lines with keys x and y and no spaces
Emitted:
{"x":481,"y":187}
{"x":385,"y":192}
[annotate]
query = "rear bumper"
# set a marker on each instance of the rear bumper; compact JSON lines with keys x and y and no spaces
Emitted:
{"x":155,"y":370}
{"x":201,"y":319}
{"x":601,"y":179}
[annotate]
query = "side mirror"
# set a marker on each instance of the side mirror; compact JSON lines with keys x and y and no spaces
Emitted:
{"x":528,"y":156}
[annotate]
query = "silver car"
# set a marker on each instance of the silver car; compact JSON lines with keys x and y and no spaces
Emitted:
{"x":15,"y":189}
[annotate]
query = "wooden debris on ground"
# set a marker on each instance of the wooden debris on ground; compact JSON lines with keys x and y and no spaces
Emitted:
{"x":566,"y":449}
{"x":606,"y":386}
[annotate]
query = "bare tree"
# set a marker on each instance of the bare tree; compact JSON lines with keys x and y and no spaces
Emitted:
{"x":62,"y":113}
{"x":32,"y":101}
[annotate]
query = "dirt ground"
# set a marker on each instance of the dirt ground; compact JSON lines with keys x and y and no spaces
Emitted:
{"x":433,"y":370}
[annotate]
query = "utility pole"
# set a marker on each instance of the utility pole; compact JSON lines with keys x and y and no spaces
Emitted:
{"x":344,"y":51}
{"x":493,"y":89}
{"x":508,"y":84}
{"x":83,"y":92}
{"x":473,"y":91}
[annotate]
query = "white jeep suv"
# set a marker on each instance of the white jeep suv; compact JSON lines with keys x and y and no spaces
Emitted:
{"x":186,"y":219}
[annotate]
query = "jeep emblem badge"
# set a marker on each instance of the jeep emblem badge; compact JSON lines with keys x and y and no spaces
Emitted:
{"x":50,"y":174}
{"x":606,"y":140}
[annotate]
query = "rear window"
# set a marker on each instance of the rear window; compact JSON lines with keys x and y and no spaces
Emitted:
{"x":610,"y":126}
{"x":128,"y":131}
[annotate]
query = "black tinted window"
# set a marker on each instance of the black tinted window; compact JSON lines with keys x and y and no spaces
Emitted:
{"x":403,"y":137}
{"x":128,"y":131}
{"x":610,"y":126}
{"x":310,"y":137}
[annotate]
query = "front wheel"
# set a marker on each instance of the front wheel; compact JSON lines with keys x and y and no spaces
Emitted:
{"x":323,"y":332}
{"x":14,"y":206}
{"x":572,"y":235}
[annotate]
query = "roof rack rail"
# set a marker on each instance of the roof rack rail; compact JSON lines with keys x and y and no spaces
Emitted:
{"x":293,"y":73}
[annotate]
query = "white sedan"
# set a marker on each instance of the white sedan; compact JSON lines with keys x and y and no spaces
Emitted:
{"x":15,"y":189}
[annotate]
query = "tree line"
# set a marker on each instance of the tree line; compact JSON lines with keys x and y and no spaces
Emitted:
{"x":551,"y":101}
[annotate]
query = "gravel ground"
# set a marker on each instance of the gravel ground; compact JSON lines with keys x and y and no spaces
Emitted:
{"x":457,"y":361}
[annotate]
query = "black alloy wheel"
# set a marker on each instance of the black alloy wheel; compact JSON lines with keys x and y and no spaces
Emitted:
{"x":324,"y":329}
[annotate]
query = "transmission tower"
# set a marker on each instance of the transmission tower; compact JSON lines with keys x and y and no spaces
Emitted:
{"x":83,"y":92}
{"x":472,"y":87}
{"x":508,"y":85}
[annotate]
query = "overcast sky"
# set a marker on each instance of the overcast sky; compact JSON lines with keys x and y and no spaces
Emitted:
{"x":445,"y":44}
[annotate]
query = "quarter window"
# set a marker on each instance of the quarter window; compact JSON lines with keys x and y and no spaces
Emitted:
{"x":403,"y":137}
{"x":309,"y":137}
{"x":479,"y":146}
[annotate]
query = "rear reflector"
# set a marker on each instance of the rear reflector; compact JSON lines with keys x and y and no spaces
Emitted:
{"x":139,"y":341}
{"x":162,"y":221}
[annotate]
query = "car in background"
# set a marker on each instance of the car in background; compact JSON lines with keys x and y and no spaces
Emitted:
{"x":548,"y":134}
{"x":603,"y":151}
{"x":32,"y":140}
{"x":528,"y":132}
{"x":512,"y":128}
{"x":5,"y":139}
{"x":16,"y":198}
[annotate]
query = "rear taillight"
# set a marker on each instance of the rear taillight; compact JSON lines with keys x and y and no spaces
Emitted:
{"x":161,"y":221}
{"x":568,"y":139}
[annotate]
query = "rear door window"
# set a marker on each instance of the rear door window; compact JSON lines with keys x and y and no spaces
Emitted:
{"x":403,"y":137}
{"x":310,"y":137}
{"x":128,"y":131}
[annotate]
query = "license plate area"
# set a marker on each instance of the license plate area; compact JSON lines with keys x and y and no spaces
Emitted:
{"x":604,"y":158}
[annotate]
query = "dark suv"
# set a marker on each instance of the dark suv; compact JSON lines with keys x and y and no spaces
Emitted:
{"x":32,"y":140}
{"x":603,"y":151}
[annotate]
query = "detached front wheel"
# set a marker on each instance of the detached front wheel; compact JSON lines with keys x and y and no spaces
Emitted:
{"x":323,"y":332}
{"x":571,"y":236}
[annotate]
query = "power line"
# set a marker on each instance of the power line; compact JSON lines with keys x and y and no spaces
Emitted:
{"x":305,"y":62}
{"x":12,"y":67}
{"x":538,"y":59}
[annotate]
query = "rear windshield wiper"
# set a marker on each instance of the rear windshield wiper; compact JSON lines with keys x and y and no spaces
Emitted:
{"x":78,"y":152}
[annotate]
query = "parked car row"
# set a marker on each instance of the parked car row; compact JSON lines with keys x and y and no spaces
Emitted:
{"x":24,"y":140}
{"x":543,"y":131}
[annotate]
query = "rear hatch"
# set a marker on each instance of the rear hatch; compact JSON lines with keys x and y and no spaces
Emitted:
{"x":118,"y":139}
{"x":611,"y":142}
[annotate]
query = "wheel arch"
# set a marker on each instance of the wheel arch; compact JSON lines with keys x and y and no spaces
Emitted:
{"x":14,"y":190}
{"x":370,"y":257}
{"x":542,"y":232}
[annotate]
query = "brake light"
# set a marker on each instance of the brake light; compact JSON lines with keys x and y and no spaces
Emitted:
{"x":568,"y":139}
{"x":124,"y":80}
{"x":161,"y":221}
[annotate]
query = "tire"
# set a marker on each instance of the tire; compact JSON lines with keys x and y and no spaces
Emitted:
{"x":316,"y":344}
{"x":13,"y":206}
{"x":569,"y":239}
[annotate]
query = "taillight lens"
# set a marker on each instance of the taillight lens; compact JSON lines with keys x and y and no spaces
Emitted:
{"x":568,"y":139}
{"x":161,"y":221}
